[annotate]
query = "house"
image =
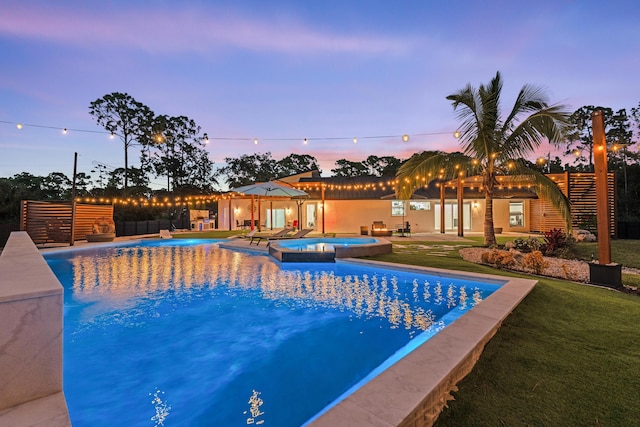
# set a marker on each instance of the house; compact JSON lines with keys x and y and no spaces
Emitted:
{"x":351,"y":205}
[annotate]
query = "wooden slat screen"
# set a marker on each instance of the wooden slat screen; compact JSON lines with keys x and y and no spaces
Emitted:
{"x":50,"y":222}
{"x":581,"y":192}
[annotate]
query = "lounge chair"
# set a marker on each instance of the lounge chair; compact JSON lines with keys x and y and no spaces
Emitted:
{"x":260,"y":237}
{"x":299,"y":234}
{"x":165,"y":234}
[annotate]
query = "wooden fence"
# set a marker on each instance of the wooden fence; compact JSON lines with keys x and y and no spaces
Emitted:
{"x":580,"y":188}
{"x":50,"y":222}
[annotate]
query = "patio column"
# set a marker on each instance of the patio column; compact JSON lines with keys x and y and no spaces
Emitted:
{"x":252,"y":215}
{"x":442,"y":207}
{"x":460,"y":206}
{"x":322,"y":209}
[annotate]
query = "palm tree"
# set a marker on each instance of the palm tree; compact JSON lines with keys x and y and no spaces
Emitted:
{"x":492,"y":146}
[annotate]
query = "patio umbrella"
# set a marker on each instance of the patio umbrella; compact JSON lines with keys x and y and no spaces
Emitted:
{"x":269,"y":189}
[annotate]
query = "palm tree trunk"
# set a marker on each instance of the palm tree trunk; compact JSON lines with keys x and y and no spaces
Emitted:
{"x":489,"y":233}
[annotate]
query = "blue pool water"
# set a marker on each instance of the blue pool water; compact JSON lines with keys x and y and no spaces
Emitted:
{"x":323,"y":244}
{"x":177,"y":333}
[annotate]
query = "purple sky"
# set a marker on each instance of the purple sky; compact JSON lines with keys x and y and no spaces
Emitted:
{"x":291,"y":70}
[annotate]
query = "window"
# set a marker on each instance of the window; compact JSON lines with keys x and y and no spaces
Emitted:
{"x":419,"y":206}
{"x":516,"y":214}
{"x":397,"y":208}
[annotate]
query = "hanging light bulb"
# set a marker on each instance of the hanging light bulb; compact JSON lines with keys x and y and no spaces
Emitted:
{"x":19,"y":125}
{"x":64,"y":131}
{"x":305,"y":140}
{"x":112,"y":135}
{"x":405,"y":138}
{"x":456,"y":134}
{"x":255,"y":141}
{"x":206,"y":138}
{"x":355,"y":140}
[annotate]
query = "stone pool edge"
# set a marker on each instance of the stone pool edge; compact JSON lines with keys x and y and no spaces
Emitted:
{"x":31,"y":301}
{"x":413,"y":391}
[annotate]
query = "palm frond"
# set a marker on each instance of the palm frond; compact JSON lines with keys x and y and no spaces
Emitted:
{"x":543,"y":186}
{"x":427,"y":166}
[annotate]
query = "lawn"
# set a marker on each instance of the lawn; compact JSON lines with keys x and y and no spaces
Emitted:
{"x":569,"y":354}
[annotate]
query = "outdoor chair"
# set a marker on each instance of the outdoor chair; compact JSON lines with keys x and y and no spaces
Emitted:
{"x":378,"y":225}
{"x":299,"y":234}
{"x":260,"y":237}
{"x":245,"y":236}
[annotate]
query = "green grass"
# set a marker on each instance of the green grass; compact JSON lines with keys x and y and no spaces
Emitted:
{"x":623,"y":252}
{"x":209,"y":234}
{"x":568,"y":355}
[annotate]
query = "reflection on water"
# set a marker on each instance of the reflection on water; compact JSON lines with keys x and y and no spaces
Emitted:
{"x":124,"y":275}
{"x":161,"y":407}
{"x":255,"y":402}
{"x":233,"y":337}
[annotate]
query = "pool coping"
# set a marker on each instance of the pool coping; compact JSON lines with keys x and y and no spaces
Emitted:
{"x":284,"y":254}
{"x":414,"y":390}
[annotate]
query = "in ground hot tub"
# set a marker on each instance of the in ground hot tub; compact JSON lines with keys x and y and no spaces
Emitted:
{"x":327,"y":249}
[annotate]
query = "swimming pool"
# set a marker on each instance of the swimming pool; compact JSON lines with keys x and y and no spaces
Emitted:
{"x":192,"y":334}
{"x":324,"y":244}
{"x":327,"y":249}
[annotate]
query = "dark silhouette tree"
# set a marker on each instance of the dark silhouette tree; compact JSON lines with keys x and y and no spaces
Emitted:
{"x":123,"y":116}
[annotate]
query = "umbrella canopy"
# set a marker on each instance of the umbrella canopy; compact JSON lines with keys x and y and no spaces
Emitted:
{"x":270,"y":189}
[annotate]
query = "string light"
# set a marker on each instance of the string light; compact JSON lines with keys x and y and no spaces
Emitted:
{"x":207,"y":138}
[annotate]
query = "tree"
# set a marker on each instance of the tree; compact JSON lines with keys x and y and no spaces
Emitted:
{"x":248,"y":169}
{"x":348,"y":168}
{"x":297,"y":163}
{"x":175,"y":148}
{"x":579,"y":134}
{"x":122,"y":115}
{"x":490,"y":144}
{"x":56,"y":186}
{"x":382,"y":166}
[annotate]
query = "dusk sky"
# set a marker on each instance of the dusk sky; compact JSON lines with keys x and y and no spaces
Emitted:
{"x":282,"y":71}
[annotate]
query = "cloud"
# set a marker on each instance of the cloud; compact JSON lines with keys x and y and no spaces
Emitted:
{"x":184,"y":30}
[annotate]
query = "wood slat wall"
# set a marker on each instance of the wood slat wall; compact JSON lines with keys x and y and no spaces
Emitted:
{"x":581,"y":192}
{"x":50,"y":222}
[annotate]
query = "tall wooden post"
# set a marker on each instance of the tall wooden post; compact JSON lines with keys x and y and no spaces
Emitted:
{"x":230,"y":216}
{"x":460,"y":207}
{"x":73,"y":199}
{"x":602,"y":190}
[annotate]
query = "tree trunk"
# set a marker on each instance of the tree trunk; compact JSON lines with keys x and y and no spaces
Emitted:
{"x":126,"y":166}
{"x":489,"y":233}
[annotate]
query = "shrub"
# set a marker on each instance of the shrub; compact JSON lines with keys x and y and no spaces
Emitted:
{"x":557,"y":243}
{"x":499,"y":259}
{"x":535,"y":262}
{"x":530,"y":244}
{"x":587,"y":222}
